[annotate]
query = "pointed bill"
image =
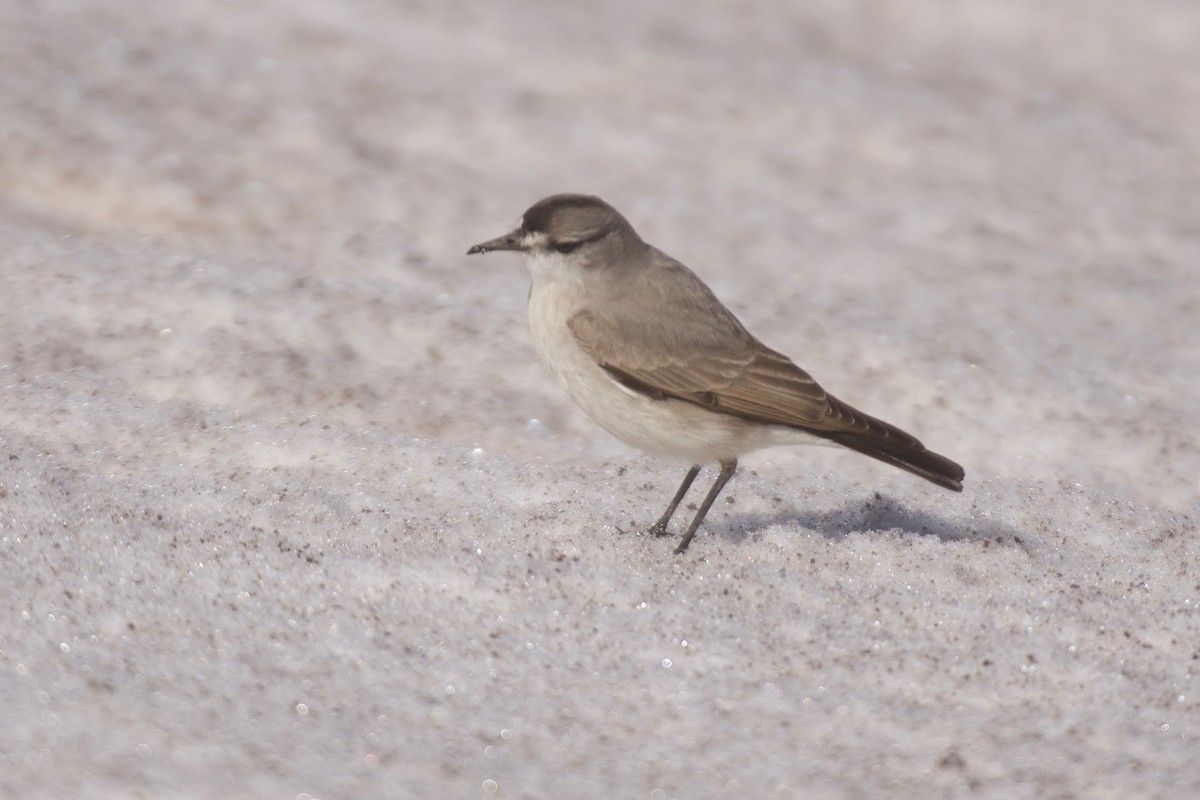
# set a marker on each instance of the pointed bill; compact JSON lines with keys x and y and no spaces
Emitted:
{"x":514,"y":240}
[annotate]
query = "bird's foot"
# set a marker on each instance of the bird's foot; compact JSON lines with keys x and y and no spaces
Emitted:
{"x":658,"y":529}
{"x":682,"y":547}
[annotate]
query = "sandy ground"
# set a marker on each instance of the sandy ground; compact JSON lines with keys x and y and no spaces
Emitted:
{"x":288,"y":507}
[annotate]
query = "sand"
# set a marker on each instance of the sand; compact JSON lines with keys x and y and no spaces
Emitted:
{"x":289,"y":508}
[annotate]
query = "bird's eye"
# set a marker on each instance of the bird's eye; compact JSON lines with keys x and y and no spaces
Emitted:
{"x":567,"y":247}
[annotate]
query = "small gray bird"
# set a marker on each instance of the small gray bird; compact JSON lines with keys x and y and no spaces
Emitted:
{"x":646,"y":349}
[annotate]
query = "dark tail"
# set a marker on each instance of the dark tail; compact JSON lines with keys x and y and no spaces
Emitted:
{"x":906,"y":453}
{"x":875,"y":438}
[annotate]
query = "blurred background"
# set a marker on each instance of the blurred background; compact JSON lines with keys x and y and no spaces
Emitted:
{"x":289,"y":508}
{"x":977,"y":215}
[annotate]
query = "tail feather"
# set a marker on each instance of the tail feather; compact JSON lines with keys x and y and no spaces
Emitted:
{"x":904,"y":452}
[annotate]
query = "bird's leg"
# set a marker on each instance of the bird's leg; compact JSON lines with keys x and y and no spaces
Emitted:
{"x":660,"y":528}
{"x":727,"y":469}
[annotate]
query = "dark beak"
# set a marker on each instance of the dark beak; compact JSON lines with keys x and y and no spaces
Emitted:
{"x":509,"y":241}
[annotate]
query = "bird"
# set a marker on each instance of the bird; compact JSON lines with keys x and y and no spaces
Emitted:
{"x":647,"y":350}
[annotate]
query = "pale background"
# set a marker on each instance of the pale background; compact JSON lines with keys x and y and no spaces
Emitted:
{"x":289,"y":509}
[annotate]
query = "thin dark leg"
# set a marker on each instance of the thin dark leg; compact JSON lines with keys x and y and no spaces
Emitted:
{"x":727,"y":469}
{"x":660,"y":528}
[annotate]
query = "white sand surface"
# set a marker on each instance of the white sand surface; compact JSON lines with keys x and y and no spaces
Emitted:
{"x":289,"y":509}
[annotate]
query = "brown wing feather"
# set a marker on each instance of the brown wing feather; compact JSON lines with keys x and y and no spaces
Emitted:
{"x":720,"y":366}
{"x":738,"y":376}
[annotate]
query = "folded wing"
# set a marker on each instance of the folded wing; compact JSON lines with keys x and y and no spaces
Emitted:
{"x":720,"y":366}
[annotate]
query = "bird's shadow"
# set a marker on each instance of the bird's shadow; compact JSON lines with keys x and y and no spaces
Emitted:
{"x":876,"y":513}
